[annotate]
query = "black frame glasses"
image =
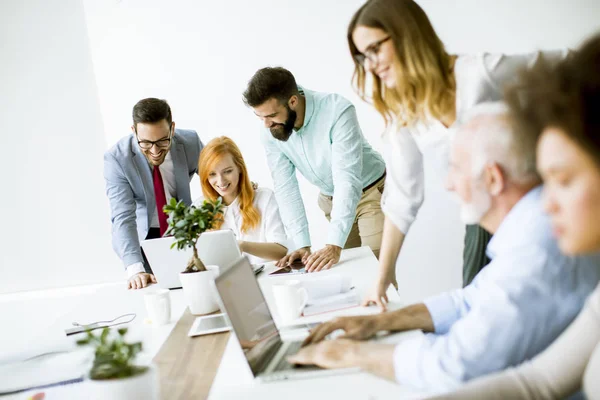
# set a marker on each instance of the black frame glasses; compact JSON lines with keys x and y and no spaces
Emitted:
{"x":161,"y":143}
{"x":371,"y":53}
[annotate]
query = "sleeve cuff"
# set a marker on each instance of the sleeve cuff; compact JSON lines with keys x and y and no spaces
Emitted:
{"x":134,"y":269}
{"x":336,"y":239}
{"x":443,"y":312}
{"x":401,"y":223}
{"x":406,"y":353}
{"x":302,"y":240}
{"x":133,"y":257}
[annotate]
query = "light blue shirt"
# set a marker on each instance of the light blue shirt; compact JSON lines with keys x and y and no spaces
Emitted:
{"x":517,"y":305}
{"x":328,"y":148}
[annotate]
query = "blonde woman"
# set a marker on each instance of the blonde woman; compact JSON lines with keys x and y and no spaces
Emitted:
{"x":252,"y":214}
{"x":421,"y":91}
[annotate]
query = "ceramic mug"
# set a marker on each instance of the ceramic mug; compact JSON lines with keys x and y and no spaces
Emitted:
{"x":290,"y":297}
{"x":158,"y":306}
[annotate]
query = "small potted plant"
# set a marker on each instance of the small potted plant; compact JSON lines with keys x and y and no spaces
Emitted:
{"x":113,"y":374}
{"x":186,"y":224}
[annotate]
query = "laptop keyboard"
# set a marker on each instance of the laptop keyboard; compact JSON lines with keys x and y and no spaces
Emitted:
{"x":283,"y":364}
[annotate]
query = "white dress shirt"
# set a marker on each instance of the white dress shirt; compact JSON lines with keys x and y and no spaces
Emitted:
{"x":479,"y":78}
{"x":516,"y":306}
{"x":270,"y":228}
{"x":167,"y":171}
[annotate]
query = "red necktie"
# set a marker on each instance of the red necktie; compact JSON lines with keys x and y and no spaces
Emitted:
{"x":161,"y":199}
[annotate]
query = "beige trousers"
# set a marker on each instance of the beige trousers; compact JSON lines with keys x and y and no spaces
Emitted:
{"x":367,"y":228}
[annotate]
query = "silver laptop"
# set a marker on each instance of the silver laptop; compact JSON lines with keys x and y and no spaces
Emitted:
{"x":214,"y":248}
{"x":249,"y":315}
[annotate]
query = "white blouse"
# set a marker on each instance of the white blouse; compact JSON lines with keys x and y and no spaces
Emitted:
{"x":479,"y":78}
{"x":270,"y":228}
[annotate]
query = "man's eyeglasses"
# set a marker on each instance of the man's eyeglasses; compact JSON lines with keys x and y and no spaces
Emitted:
{"x":371,"y":52}
{"x":161,"y":143}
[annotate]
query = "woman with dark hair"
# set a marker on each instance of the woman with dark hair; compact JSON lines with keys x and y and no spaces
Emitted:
{"x":421,"y":91}
{"x":562,"y":104}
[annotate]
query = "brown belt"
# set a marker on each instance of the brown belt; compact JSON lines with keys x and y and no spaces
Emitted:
{"x":375,"y":183}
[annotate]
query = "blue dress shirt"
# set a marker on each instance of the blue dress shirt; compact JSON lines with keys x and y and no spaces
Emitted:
{"x":332,"y":154}
{"x":517,"y":305}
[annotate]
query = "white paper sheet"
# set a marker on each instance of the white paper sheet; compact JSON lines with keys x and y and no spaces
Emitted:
{"x":332,"y":303}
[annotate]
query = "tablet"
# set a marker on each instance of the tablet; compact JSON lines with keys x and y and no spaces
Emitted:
{"x":296,"y":267}
{"x":208,"y":324}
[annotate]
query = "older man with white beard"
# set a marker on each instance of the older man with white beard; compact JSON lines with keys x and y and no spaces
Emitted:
{"x":518,"y":304}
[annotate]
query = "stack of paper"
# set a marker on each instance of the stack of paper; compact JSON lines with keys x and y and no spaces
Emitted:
{"x":325,"y":286}
{"x":50,"y":369}
{"x":332,"y":303}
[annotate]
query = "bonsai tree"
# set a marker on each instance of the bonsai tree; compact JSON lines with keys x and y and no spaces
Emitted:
{"x":113,"y":357}
{"x":186,"y":224}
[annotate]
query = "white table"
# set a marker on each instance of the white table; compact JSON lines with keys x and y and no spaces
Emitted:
{"x":361,"y":265}
{"x":34,"y":323}
{"x":37,"y":321}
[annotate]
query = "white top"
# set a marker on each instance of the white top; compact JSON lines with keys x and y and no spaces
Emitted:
{"x":270,"y":228}
{"x":167,"y":171}
{"x":479,"y":78}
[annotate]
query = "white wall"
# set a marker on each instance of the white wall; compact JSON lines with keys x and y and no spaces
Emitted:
{"x":55,"y":229}
{"x":200,"y":55}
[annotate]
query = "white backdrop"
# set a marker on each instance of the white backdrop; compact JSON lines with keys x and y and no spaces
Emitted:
{"x":55,"y":227}
{"x":199,"y":56}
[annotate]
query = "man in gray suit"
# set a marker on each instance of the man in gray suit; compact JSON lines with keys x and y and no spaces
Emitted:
{"x":143,"y":171}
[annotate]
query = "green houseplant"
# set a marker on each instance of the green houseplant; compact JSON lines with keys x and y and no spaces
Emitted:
{"x":186,"y":225}
{"x":113,"y":357}
{"x":113,"y":374}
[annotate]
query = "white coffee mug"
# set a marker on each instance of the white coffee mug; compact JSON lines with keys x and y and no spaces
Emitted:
{"x":290,"y":298}
{"x":158,"y":306}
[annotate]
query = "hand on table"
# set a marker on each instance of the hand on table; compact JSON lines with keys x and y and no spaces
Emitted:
{"x":339,"y":353}
{"x":376,"y":358}
{"x":357,"y":327}
{"x":140,"y":280}
{"x":377,"y":295}
{"x":323,"y":259}
{"x":300,"y":254}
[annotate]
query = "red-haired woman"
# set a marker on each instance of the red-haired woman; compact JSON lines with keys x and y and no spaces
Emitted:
{"x":252,"y":214}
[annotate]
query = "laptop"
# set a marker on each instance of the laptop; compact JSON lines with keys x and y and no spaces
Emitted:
{"x":252,"y":322}
{"x":214,"y":248}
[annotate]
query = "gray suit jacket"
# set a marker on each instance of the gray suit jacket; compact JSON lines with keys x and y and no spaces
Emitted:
{"x":130,"y":188}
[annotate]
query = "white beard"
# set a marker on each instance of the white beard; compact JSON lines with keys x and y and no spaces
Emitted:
{"x":472,"y":213}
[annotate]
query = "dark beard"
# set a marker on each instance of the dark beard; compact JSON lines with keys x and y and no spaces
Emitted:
{"x":284,"y":131}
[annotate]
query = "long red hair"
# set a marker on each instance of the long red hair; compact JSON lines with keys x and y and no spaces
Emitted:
{"x":210,"y":155}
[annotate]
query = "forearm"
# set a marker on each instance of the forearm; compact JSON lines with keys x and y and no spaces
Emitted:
{"x":343,"y":209}
{"x":347,"y":169}
{"x":287,"y":193}
{"x":391,"y":243}
{"x":408,"y":318}
{"x":375,"y":358}
{"x":268,"y":251}
{"x":125,"y":240}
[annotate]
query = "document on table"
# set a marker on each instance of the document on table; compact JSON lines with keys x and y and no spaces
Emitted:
{"x":332,"y":303}
{"x":49,"y":369}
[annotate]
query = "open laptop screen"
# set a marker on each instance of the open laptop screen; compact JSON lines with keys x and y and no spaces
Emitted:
{"x":249,"y":314}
